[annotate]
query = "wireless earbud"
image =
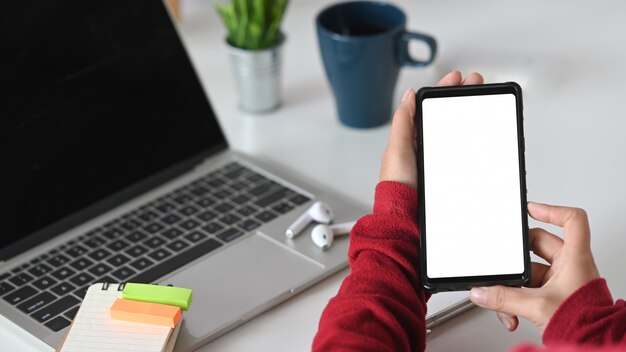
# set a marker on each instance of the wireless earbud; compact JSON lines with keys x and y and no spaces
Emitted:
{"x":319,"y":212}
{"x":324,"y":235}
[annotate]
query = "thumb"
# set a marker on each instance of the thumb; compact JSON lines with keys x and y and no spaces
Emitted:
{"x":511,"y":300}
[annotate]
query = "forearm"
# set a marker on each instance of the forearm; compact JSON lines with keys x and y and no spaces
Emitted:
{"x":380,"y":305}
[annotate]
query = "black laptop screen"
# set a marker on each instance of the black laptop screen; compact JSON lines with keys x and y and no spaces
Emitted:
{"x":95,"y":97}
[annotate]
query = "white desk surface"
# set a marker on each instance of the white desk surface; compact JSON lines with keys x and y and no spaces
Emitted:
{"x":567,"y":55}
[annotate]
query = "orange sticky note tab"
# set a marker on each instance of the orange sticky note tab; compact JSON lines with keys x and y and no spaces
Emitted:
{"x":145,"y":312}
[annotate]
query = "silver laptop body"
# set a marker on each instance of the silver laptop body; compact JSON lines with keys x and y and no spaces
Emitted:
{"x":231,"y":284}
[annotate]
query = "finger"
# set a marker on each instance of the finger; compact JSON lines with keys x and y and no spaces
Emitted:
{"x":400,"y":150}
{"x":545,"y":244}
{"x":509,"y":321}
{"x":451,"y":79}
{"x":511,"y":300}
{"x":538,"y":273}
{"x":473,"y":78}
{"x":403,"y":124}
{"x":573,"y":221}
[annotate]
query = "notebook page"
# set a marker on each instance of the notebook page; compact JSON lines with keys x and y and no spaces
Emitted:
{"x":94,"y":330}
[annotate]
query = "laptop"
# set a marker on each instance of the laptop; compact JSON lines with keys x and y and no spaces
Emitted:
{"x":113,"y":168}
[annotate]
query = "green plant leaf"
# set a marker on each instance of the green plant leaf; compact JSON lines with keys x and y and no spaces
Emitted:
{"x":253,"y":24}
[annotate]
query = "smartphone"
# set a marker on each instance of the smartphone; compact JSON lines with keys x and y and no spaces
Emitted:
{"x":472,"y":187}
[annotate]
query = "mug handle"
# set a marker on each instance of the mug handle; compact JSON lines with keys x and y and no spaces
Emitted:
{"x":405,"y":57}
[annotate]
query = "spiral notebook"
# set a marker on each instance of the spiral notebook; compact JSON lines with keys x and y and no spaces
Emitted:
{"x":93,"y":329}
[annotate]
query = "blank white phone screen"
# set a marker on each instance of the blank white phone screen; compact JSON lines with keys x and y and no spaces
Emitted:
{"x":472,"y":186}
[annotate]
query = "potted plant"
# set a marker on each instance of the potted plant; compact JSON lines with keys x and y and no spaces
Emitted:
{"x":254,"y":41}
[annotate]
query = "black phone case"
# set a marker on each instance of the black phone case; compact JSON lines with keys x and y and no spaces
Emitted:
{"x":466,"y":283}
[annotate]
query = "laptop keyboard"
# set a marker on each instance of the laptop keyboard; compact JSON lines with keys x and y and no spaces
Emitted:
{"x":148,"y":243}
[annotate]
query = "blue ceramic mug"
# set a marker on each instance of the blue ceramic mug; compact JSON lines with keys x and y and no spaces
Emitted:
{"x":363,"y":45}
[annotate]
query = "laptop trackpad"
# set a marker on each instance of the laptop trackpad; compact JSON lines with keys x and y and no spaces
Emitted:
{"x":238,"y":282}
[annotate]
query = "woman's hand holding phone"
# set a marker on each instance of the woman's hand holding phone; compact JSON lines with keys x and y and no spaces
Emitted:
{"x":570,"y":258}
{"x":398,"y":162}
{"x":571,"y":266}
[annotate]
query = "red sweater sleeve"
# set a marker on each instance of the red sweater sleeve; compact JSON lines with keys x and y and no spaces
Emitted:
{"x":588,"y":320}
{"x":380,"y":306}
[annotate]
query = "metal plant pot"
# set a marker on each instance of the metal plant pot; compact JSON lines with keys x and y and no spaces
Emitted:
{"x":257,"y":73}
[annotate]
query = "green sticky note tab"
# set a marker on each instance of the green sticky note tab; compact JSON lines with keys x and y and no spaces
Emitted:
{"x":173,"y":296}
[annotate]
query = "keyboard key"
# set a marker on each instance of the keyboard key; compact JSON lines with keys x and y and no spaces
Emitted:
{"x":171,"y":219}
{"x":106,"y":279}
{"x":247,"y":210}
{"x":141,"y":263}
{"x":36,"y":302}
{"x":222,"y":194}
{"x":70,"y":314}
{"x":240,"y":199}
{"x":153,"y":228}
{"x":113,"y":233}
{"x":81,"y":264}
{"x":76,"y":251}
{"x":21,"y":279}
{"x":130,"y":225}
{"x":206,"y":215}
{"x":82,"y":279}
{"x":160,"y":254}
{"x":177,"y":245}
{"x":235,"y":173}
{"x":182,"y":199}
{"x":165,"y":207}
{"x":229,"y":219}
{"x":205,"y":202}
{"x":213,"y":227}
{"x":5,"y":287}
{"x":299,"y":199}
{"x":118,"y":259}
{"x":57,"y":323}
{"x":100,"y":269}
{"x":153,"y":242}
{"x":265,"y":216}
{"x":199,"y":190}
{"x":63,"y":288}
{"x":256,"y":178}
{"x":223,"y":208}
{"x":260,"y":189}
{"x":230,"y":235}
{"x":123,"y":273}
{"x":99,"y":254}
{"x":188,"y":210}
{"x":58,"y":260}
{"x":177,"y":261}
{"x":249,"y":225}
{"x":4,"y":276}
{"x":172,"y":233}
{"x":44,"y":282}
{"x":94,"y":242}
{"x":20,"y":268}
{"x":118,"y":245}
{"x":20,"y":295}
{"x":271,"y":198}
{"x":282,"y":208}
{"x":39,"y":269}
{"x":81,"y":292}
{"x":135,"y":237}
{"x":63,"y":273}
{"x":195,"y":236}
{"x":238,"y":186}
{"x":55,"y":308}
{"x":136,"y":251}
{"x":147,"y":216}
{"x":189,"y":224}
{"x":215,"y":182}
